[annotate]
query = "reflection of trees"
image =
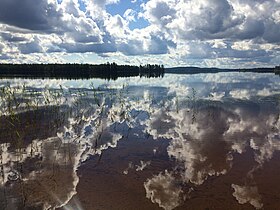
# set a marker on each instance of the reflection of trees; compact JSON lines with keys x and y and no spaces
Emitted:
{"x":110,"y":71}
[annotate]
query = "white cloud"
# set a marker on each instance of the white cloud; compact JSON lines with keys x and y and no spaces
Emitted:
{"x":234,"y":33}
{"x":247,"y":194}
{"x":195,"y":130}
{"x":195,"y":146}
{"x":201,"y":20}
{"x":163,"y":190}
{"x":85,"y":133}
{"x":142,"y":165}
{"x":241,"y":94}
{"x":130,"y":15}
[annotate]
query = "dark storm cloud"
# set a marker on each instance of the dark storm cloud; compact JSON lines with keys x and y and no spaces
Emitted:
{"x":28,"y":14}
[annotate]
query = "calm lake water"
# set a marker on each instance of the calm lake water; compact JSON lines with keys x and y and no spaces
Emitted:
{"x":205,"y":141}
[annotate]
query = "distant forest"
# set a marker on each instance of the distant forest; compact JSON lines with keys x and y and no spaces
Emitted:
{"x":277,"y":70}
{"x":197,"y":70}
{"x":110,"y":71}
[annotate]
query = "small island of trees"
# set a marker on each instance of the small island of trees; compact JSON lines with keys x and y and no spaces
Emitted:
{"x":79,"y":71}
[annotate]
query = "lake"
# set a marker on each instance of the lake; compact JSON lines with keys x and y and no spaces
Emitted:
{"x":203,"y":141}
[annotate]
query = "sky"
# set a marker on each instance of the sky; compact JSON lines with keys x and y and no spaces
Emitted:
{"x":203,"y":33}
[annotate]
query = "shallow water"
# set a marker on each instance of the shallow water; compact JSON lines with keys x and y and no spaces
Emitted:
{"x":205,"y":141}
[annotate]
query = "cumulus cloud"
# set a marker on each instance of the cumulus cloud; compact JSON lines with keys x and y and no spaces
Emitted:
{"x":25,"y":14}
{"x":142,"y":165}
{"x":102,"y":3}
{"x":247,"y":194}
{"x":195,"y":147}
{"x":163,"y":190}
{"x":201,"y":19}
{"x":196,"y":130}
{"x":129,"y":15}
{"x":197,"y":32}
{"x":30,"y":47}
{"x":205,"y":137}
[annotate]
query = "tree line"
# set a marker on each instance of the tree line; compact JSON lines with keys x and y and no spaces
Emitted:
{"x":277,"y":70}
{"x":80,"y":71}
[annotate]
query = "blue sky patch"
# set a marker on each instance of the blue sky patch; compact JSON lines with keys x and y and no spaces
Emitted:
{"x":122,"y":6}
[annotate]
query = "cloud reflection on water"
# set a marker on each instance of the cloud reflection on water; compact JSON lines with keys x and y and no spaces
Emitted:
{"x":206,"y":127}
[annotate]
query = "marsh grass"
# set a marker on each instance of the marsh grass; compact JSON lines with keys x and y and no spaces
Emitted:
{"x":42,"y":113}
